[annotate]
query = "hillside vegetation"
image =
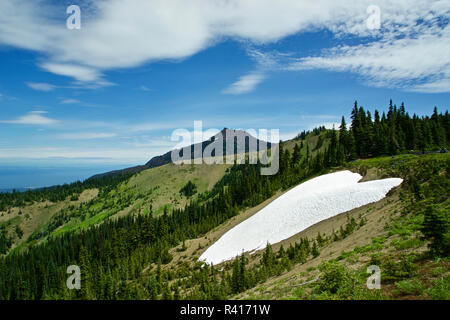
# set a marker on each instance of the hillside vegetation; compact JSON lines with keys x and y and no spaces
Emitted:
{"x":154,"y":189}
{"x":400,"y":234}
{"x":140,"y":237}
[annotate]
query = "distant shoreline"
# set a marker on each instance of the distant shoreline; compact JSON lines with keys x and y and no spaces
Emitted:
{"x":24,"y":178}
{"x":10,"y":190}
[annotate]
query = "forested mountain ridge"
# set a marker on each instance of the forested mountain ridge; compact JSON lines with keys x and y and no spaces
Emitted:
{"x":133,"y":257}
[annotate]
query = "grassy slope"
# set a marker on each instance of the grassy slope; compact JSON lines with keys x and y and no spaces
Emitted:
{"x":36,"y":215}
{"x":161,"y":185}
{"x":311,"y":140}
{"x":388,"y":232}
{"x":316,"y":142}
{"x":158,"y":187}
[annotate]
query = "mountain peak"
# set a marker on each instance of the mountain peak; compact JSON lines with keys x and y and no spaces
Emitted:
{"x":228,"y":136}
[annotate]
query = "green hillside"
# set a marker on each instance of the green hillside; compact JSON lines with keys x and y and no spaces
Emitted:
{"x":157,"y":187}
{"x":139,"y":236}
{"x":400,"y":234}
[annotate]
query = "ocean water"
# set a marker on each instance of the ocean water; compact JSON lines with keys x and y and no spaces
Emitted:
{"x":22,"y":178}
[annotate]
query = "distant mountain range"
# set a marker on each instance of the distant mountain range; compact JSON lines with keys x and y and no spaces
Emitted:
{"x":7,"y":190}
{"x":229,"y":136}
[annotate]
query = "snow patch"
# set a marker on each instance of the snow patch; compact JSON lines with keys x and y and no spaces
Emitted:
{"x":298,"y":209}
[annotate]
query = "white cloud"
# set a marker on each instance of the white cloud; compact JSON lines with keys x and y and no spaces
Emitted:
{"x":34,"y":153}
{"x":32,"y":118}
{"x":84,"y":74}
{"x":392,"y":62}
{"x":40,"y":86}
{"x":121,"y":34}
{"x":130,"y":155}
{"x":265,"y":62}
{"x":154,"y":126}
{"x":144,"y":88}
{"x":438,"y":86}
{"x":87,"y":136}
{"x":70,"y":101}
{"x":245,"y":84}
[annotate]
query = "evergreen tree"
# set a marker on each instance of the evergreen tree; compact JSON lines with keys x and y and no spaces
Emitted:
{"x":343,"y":152}
{"x":315,"y":250}
{"x":295,"y":155}
{"x":436,"y":228}
{"x":85,"y":270}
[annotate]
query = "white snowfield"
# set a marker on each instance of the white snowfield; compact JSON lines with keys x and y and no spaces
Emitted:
{"x":296,"y":210}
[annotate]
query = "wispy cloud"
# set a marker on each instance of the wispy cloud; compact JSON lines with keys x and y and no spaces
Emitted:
{"x":102,"y":44}
{"x":80,"y":73}
{"x":144,"y":88}
{"x":437,"y":86}
{"x":245,"y":84}
{"x":119,"y":155}
{"x":420,"y":63}
{"x":70,"y":101}
{"x":124,"y":154}
{"x":41,"y":86}
{"x":32,"y":118}
{"x":8,"y":97}
{"x":87,"y":135}
{"x":265,"y":63}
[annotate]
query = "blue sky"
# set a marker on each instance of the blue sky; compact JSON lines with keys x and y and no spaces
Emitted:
{"x":113,"y":91}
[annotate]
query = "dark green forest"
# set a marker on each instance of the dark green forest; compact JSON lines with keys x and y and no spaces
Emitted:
{"x":189,"y":189}
{"x":113,"y":254}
